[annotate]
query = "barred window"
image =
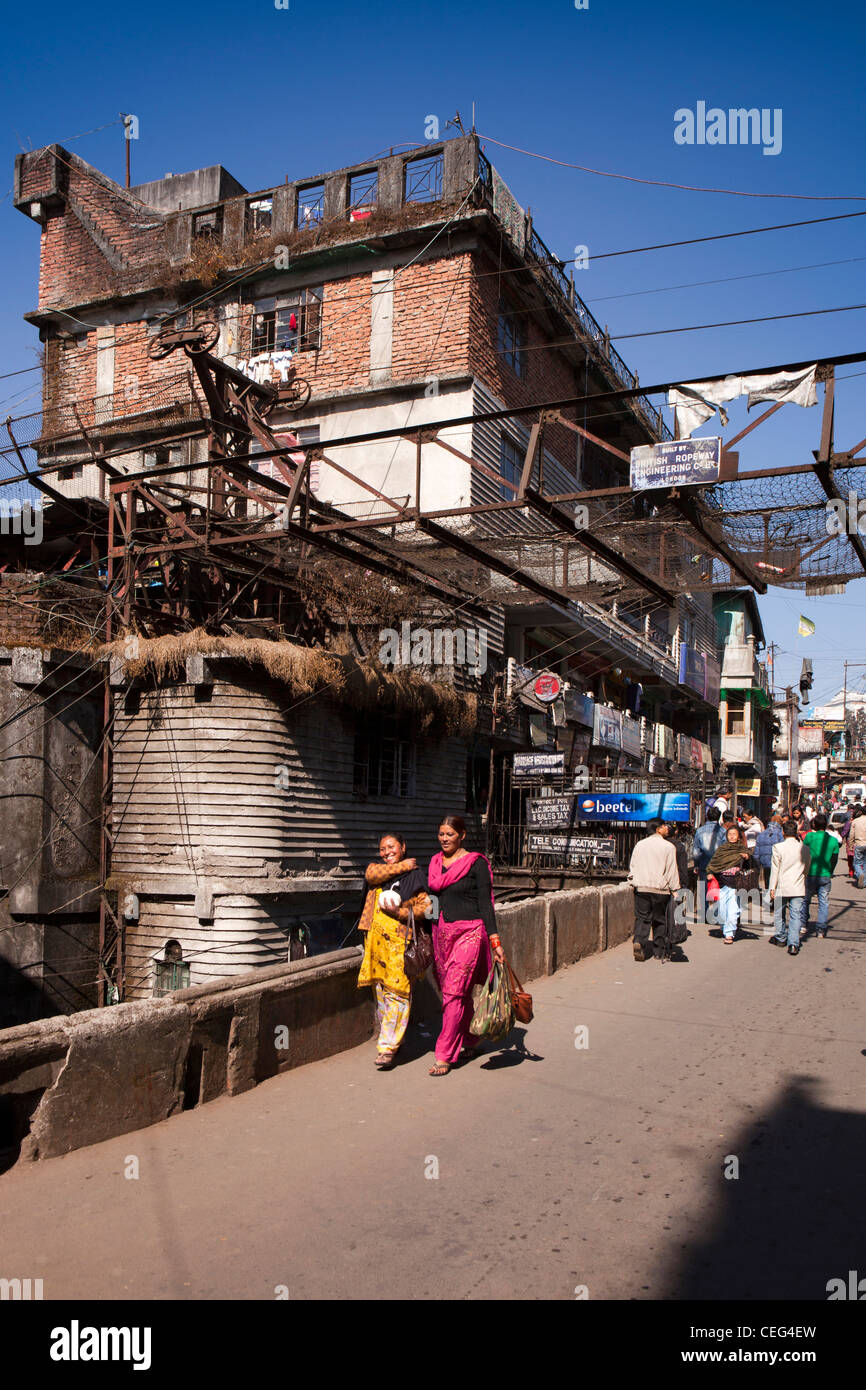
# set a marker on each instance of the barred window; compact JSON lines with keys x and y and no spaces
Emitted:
{"x":384,"y":760}
{"x":512,"y":339}
{"x":311,"y":205}
{"x":422,"y":179}
{"x":288,"y":322}
{"x":510,"y":466}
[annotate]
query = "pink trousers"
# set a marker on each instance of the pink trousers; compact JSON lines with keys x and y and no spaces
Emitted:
{"x":462,"y":960}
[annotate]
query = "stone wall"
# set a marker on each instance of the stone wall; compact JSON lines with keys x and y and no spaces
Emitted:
{"x":71,"y":1081}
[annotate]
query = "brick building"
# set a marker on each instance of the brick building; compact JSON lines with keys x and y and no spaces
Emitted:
{"x":405,"y":291}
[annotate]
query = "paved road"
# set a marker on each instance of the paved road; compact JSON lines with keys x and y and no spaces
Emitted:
{"x":558,"y":1166}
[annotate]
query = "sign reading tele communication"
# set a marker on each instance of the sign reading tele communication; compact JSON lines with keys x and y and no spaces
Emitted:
{"x":634,"y":806}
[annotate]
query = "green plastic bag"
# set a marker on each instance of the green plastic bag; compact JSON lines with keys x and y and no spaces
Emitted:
{"x":494,"y":1014}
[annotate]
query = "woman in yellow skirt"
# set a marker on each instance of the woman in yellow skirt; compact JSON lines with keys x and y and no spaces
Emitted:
{"x":393,"y":886}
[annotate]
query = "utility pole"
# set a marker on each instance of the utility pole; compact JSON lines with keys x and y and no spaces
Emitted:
{"x":771,"y":662}
{"x":845,"y":714}
{"x":791,"y":706}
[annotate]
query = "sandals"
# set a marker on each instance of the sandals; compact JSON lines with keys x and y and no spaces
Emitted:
{"x":385,"y":1061}
{"x":439,"y":1069}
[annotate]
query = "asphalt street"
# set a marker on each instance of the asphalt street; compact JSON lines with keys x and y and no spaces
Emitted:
{"x":706,"y":1142}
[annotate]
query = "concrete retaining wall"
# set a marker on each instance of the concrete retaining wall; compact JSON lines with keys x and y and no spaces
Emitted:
{"x":71,"y":1081}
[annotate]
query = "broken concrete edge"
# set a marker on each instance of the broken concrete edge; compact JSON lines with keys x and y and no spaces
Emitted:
{"x":82,"y":1078}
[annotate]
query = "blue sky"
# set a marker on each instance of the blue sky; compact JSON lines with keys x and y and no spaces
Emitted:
{"x":273,"y":92}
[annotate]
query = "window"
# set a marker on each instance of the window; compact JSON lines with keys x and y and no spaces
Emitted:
{"x":259,"y":216}
{"x":311,"y":205}
{"x":289,"y":322}
{"x":384,"y":760}
{"x":363,"y":194}
{"x":422,"y":179}
{"x":512,"y":339}
{"x":305,"y":434}
{"x":161,"y":455}
{"x":71,"y":470}
{"x":207,"y":224}
{"x":511,"y":458}
{"x":735,"y":725}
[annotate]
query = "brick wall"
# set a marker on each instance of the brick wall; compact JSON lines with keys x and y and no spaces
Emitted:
{"x":38,"y":611}
{"x":97,"y":240}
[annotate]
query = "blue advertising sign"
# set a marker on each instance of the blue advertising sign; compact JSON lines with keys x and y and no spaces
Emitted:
{"x":676,"y":463}
{"x":634,"y":806}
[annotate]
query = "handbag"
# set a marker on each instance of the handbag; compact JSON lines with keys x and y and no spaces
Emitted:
{"x":520,"y":999}
{"x":418,"y":951}
{"x":494,"y":1015}
{"x":712,"y":889}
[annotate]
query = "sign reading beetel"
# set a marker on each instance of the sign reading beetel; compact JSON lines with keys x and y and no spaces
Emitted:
{"x":676,"y":463}
{"x":634,"y":806}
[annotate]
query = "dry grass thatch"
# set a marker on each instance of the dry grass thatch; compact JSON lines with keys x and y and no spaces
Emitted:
{"x":302,"y":669}
{"x":432,"y":706}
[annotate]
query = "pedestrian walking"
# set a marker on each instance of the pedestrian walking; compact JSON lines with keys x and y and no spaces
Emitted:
{"x":764,"y":847}
{"x":752,"y":825}
{"x":856,"y":842}
{"x":653,"y":875}
{"x":465,"y":941}
{"x":707,"y":839}
{"x":790,"y":865}
{"x":728,"y":865}
{"x":824,"y":850}
{"x":393,"y":886}
{"x":800,"y":821}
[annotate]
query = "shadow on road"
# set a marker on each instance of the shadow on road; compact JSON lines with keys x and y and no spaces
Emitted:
{"x":512,"y":1053}
{"x":794,"y":1218}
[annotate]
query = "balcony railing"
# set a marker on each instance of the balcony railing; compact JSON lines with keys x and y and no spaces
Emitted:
{"x":560,"y":282}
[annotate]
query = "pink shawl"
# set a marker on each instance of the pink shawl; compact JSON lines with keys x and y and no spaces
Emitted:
{"x":439,"y":878}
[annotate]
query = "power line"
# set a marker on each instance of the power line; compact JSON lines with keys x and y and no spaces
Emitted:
{"x":732,"y":323}
{"x":516,"y":270}
{"x":725,"y":280}
{"x":688,"y":187}
{"x":619,"y":394}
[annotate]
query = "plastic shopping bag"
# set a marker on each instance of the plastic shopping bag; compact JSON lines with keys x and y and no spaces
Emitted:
{"x":494,"y":1014}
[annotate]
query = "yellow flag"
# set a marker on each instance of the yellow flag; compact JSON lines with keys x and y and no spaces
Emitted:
{"x":806,"y":627}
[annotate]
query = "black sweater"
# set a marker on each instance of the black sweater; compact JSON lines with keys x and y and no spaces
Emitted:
{"x":469,"y":898}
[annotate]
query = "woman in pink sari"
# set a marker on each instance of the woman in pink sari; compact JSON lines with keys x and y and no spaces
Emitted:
{"x":463,"y":938}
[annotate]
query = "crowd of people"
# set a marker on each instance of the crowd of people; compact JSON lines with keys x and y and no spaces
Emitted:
{"x":790,"y":861}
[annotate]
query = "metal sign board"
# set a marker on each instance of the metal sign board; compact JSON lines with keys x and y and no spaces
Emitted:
{"x":584,"y":845}
{"x":533,"y":767}
{"x":635,"y":806}
{"x":676,"y":463}
{"x":552,"y":810}
{"x":547,"y":687}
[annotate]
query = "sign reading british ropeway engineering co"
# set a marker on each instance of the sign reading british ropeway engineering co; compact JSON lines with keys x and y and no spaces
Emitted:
{"x":634,"y":806}
{"x":676,"y":463}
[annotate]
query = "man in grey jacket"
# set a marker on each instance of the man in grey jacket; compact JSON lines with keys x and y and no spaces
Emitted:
{"x":653,"y":875}
{"x":789,"y":867}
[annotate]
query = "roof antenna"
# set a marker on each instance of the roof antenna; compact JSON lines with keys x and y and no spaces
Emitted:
{"x":456,"y":121}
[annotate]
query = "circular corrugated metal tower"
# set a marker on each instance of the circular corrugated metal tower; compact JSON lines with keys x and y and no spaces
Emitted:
{"x":218,"y":844}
